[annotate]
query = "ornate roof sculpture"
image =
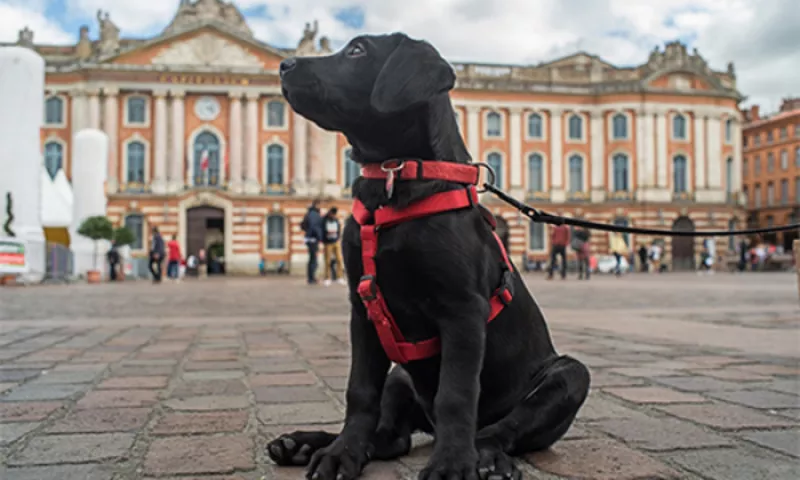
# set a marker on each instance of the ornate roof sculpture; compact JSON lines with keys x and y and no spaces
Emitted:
{"x":191,"y":15}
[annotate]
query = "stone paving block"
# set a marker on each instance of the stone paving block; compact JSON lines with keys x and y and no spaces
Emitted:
{"x":173,"y":423}
{"x":102,"y":420}
{"x":784,"y":441}
{"x":696,"y":383}
{"x":84,"y":448}
{"x":282,"y":379}
{"x":18,"y":375}
{"x":642,"y":372}
{"x":207,"y":355}
{"x":656,"y":434}
{"x":30,"y":392}
{"x":11,"y":432}
{"x":195,"y":366}
{"x":336,"y":383}
{"x":599,"y":408}
{"x":759,"y":398}
{"x":143,"y":371}
{"x":277,"y":367}
{"x":209,"y":402}
{"x":769,"y":369}
{"x":599,"y":362}
{"x":38,"y":366}
{"x":117,"y":398}
{"x":604,"y":379}
{"x":80,"y":367}
{"x":289,"y":394}
{"x":600,"y":459}
{"x":58,"y":472}
{"x":299,"y":413}
{"x":731,"y":374}
{"x":199,"y":454}
{"x":790,"y":413}
{"x":209,"y":387}
{"x":726,"y":416}
{"x":654,"y":395}
{"x":159,"y":362}
{"x":785,"y":385}
{"x":212,"y":375}
{"x":27,"y":411}
{"x":737,"y":464}
{"x":140,"y":383}
{"x":713,"y":360}
{"x":7,"y":386}
{"x":53,"y":377}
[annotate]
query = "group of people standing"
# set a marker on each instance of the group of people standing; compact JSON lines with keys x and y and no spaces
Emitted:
{"x":324,"y":230}
{"x":158,"y":253}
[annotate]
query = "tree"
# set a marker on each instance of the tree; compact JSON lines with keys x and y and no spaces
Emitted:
{"x":123,"y":236}
{"x":96,"y":228}
{"x":10,"y":216}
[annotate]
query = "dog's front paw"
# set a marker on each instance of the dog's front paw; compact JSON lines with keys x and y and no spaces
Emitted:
{"x":341,"y":460}
{"x":296,"y":448}
{"x":454,"y":465}
{"x":495,"y":464}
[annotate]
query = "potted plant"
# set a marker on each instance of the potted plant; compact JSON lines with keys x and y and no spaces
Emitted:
{"x":96,"y":228}
{"x":123,"y":237}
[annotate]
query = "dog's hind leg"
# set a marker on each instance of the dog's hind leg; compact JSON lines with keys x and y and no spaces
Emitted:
{"x":401,"y":415}
{"x":544,"y":416}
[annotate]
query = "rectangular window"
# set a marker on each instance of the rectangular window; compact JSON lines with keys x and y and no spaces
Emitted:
{"x":536,"y":236}
{"x":770,"y":162}
{"x":770,"y":194}
{"x":784,"y":191}
{"x":757,"y":196}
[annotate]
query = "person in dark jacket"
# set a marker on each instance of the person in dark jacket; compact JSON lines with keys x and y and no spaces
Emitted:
{"x":113,"y":261}
{"x":312,"y":225}
{"x":156,"y":255}
{"x":333,"y":246}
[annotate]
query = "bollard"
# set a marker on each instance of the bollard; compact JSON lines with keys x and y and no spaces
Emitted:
{"x":796,"y":251}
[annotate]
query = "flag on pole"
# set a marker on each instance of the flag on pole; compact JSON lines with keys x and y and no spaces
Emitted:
{"x":204,"y":160}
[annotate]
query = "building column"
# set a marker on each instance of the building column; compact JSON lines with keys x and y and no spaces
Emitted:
{"x":736,"y":188}
{"x":649,"y":150}
{"x":641,"y":150}
{"x":700,"y":169}
{"x":177,"y":175}
{"x":78,"y":114}
{"x":94,"y":108}
{"x":597,"y":139}
{"x":235,"y":144}
{"x":662,"y":182}
{"x":252,"y":185}
{"x":714,"y":141}
{"x":474,"y":133}
{"x":110,"y":127}
{"x":300,"y":134}
{"x":515,"y":152}
{"x":159,"y":182}
{"x":557,"y":189}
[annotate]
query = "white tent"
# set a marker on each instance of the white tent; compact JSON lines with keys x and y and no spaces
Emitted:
{"x":56,"y":201}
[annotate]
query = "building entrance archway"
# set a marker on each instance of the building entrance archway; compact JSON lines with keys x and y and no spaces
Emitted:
{"x":205,"y":229}
{"x":683,"y":247}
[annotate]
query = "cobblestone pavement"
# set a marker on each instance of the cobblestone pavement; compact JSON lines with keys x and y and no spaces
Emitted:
{"x":694,"y":377}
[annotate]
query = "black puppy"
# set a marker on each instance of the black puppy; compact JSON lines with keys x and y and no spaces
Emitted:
{"x":496,"y":390}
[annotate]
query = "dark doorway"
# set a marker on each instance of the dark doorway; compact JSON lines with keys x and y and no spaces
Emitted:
{"x":205,"y":229}
{"x":683,"y":247}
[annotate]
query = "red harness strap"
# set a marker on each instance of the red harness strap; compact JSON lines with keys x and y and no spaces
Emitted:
{"x":394,"y":343}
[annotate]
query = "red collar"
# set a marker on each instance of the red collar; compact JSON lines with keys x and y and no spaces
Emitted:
{"x":464,"y":173}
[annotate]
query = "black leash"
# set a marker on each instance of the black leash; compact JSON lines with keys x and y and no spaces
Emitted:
{"x":544,"y":217}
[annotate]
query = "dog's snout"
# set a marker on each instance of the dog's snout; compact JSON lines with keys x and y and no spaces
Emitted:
{"x":288,"y":65}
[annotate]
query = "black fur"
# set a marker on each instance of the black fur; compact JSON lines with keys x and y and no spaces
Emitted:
{"x":496,"y":390}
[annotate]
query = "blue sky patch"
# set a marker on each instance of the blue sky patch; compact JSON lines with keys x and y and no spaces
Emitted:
{"x":352,"y":17}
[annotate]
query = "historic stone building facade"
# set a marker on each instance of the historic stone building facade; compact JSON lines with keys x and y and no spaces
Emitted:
{"x":771,"y":169}
{"x":205,"y":147}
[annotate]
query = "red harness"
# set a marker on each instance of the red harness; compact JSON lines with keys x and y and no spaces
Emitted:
{"x":394,"y":343}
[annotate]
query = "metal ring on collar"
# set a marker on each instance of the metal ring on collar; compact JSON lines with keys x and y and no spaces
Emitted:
{"x":386,"y":168}
{"x":491,"y":174}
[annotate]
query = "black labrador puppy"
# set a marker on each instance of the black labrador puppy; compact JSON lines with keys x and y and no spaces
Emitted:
{"x":496,"y":390}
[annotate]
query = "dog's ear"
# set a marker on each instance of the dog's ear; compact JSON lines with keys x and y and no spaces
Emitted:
{"x":413,"y":74}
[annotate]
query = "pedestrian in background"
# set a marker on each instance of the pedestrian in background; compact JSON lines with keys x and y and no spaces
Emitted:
{"x":332,"y":242}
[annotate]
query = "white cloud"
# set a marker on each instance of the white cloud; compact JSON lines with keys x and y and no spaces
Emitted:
{"x":761,"y":38}
{"x":16,"y":15}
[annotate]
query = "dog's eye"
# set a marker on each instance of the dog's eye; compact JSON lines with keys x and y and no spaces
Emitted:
{"x":355,"y":50}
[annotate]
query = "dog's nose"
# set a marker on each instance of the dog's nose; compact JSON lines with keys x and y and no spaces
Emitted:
{"x":288,"y":65}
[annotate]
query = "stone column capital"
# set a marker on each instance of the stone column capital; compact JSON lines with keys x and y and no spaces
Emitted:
{"x":160,"y":93}
{"x":177,"y":93}
{"x":515,"y":110}
{"x":252,"y":96}
{"x":474,"y":108}
{"x":111,"y":91}
{"x":78,"y":92}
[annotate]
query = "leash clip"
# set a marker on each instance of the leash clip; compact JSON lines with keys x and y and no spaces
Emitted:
{"x":490,"y":173}
{"x":390,"y":174}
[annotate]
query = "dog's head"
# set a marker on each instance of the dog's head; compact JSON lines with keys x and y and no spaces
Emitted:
{"x":376,"y":90}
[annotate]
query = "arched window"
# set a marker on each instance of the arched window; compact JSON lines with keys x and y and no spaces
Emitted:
{"x":135,"y":161}
{"x":535,"y":126}
{"x":206,"y":159}
{"x":494,"y":125}
{"x":575,"y":127}
{"x":276,"y":234}
{"x":276,"y":113}
{"x":728,"y":130}
{"x":679,"y":178}
{"x":729,"y":175}
{"x":535,"y":173}
{"x":619,"y":124}
{"x":53,"y":158}
{"x":135,"y":223}
{"x":620,"y":162}
{"x":275,"y":165}
{"x":536,"y":236}
{"x":137,"y":110}
{"x":679,"y":127}
{"x":495,"y":160}
{"x":575,"y":173}
{"x":352,"y":170}
{"x":54,"y":111}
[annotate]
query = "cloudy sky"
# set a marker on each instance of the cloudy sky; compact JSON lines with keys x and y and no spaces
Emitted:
{"x":761,"y":37}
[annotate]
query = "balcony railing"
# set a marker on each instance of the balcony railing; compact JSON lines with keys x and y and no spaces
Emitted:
{"x":537,"y":196}
{"x":579,"y":196}
{"x":134,"y":188}
{"x":620,"y":196}
{"x":682,"y":197}
{"x":277,"y":189}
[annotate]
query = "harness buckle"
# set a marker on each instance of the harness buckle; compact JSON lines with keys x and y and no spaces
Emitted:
{"x":367,"y":289}
{"x":506,"y":290}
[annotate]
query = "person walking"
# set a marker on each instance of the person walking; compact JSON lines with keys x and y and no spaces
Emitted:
{"x":174,"y":259}
{"x":333,"y":246}
{"x":618,"y":247}
{"x":559,"y":239}
{"x":581,"y":245}
{"x":312,"y":226}
{"x":113,"y":261}
{"x":642,"y":258}
{"x":156,"y":255}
